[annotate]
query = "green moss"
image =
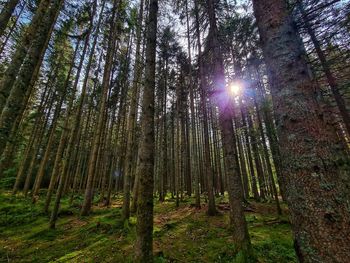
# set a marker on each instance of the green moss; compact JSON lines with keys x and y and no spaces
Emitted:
{"x":181,"y":234}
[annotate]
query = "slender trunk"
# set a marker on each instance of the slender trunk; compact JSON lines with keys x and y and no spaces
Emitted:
{"x":98,"y":130}
{"x":207,"y":160}
{"x":132,"y":116}
{"x":325,"y":66}
{"x":240,"y":233}
{"x":144,"y":227}
{"x":267,"y":157}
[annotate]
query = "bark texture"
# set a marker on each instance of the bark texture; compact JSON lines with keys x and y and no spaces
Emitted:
{"x":144,"y":228}
{"x":315,"y":169}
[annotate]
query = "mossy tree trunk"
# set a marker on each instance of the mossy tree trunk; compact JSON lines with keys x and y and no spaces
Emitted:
{"x":315,"y":169}
{"x":21,"y":89}
{"x":6,"y":14}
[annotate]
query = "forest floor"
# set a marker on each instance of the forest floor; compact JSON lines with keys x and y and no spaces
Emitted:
{"x":183,"y":234}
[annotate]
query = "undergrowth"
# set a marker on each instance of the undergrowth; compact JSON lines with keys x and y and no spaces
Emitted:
{"x":183,"y":234}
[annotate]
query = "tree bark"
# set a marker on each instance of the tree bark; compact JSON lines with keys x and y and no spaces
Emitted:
{"x":144,"y":227}
{"x":6,"y":14}
{"x":224,"y":103}
{"x":315,"y":170}
{"x":22,"y":86}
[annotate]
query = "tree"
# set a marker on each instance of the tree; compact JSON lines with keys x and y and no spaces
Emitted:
{"x":102,"y":108}
{"x":240,"y":232}
{"x":26,"y":77}
{"x":6,"y":14}
{"x":314,"y":167}
{"x":144,"y":227}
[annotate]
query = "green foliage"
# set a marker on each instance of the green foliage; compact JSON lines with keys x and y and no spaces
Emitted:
{"x":7,"y":182}
{"x":14,"y":212}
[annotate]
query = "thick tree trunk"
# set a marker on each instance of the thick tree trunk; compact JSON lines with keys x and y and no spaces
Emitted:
{"x":21,"y":52}
{"x":315,"y":171}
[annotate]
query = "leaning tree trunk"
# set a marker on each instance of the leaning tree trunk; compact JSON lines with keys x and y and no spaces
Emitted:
{"x":144,"y":227}
{"x":315,"y":169}
{"x":327,"y":71}
{"x":98,"y":130}
{"x":6,"y":14}
{"x":21,"y":88}
{"x":18,"y":57}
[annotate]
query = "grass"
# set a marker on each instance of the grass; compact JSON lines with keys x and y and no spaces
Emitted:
{"x":182,"y":234}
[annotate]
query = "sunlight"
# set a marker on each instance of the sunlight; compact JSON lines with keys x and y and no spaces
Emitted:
{"x":235,"y":88}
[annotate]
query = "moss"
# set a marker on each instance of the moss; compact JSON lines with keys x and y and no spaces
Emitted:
{"x":182,"y":234}
{"x":273,"y":243}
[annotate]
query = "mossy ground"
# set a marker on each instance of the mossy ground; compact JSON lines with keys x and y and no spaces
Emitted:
{"x":183,"y":234}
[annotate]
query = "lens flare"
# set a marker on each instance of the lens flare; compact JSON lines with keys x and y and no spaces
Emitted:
{"x":235,"y":88}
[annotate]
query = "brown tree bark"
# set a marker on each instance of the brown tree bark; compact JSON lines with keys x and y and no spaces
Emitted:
{"x":240,"y":233}
{"x":144,"y":227}
{"x":315,"y":171}
{"x":327,"y":70}
{"x":98,"y":130}
{"x":21,"y":89}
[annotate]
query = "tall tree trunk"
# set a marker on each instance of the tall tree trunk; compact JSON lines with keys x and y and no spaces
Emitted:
{"x":131,"y":127}
{"x":325,"y":66}
{"x":17,"y":59}
{"x":194,"y":154}
{"x":11,"y":29}
{"x":267,"y":156}
{"x":144,"y":227}
{"x":240,"y":233}
{"x":315,"y":171}
{"x":6,"y":14}
{"x":208,"y":170}
{"x":98,"y":130}
{"x":21,"y":89}
{"x":249,"y":150}
{"x":254,"y":142}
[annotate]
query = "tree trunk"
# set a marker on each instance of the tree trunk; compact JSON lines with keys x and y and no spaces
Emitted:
{"x":6,"y":14}
{"x":315,"y":174}
{"x":144,"y":227}
{"x":98,"y":130}
{"x":22,"y":86}
{"x":325,"y":66}
{"x":240,"y":233}
{"x":132,"y":116}
{"x":21,"y":52}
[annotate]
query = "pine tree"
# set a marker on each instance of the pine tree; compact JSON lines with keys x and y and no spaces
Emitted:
{"x":314,"y":170}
